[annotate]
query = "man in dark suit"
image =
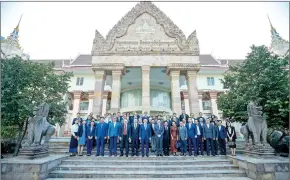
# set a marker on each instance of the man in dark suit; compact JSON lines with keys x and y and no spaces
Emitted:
{"x":153,"y":137}
{"x":166,"y":139}
{"x":119,"y":117}
{"x":135,"y":137}
{"x":201,"y":116}
{"x":215,"y":140}
{"x":192,"y":135}
{"x":145,"y":136}
{"x":199,"y":139}
{"x":222,"y":135}
{"x":159,"y":130}
{"x":182,"y":131}
{"x":113,"y":134}
{"x":184,"y":116}
{"x":208,"y":134}
{"x":101,"y":134}
{"x":90,"y":134}
{"x":177,"y":119}
{"x":125,"y":135}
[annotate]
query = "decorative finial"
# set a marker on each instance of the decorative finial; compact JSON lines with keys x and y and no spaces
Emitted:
{"x":272,"y":28}
{"x":17,"y":27}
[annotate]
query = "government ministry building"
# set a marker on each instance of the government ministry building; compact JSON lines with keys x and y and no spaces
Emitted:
{"x":145,"y":63}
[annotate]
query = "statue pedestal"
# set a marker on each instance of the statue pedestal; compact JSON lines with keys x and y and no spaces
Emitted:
{"x":259,"y":150}
{"x":32,"y":152}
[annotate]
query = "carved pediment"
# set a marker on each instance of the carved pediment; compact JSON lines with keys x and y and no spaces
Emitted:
{"x":145,"y":19}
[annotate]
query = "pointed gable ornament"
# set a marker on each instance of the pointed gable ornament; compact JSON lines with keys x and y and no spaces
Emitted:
{"x":121,"y":28}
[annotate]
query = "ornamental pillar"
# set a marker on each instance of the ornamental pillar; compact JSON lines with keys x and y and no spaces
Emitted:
{"x":175,"y":91}
{"x":200,"y":101}
{"x":192,"y":92}
{"x":186,"y":102}
{"x":105,"y":99}
{"x":214,"y":108}
{"x":146,"y":88}
{"x":91,"y":100}
{"x":100,"y":77}
{"x":116,"y":90}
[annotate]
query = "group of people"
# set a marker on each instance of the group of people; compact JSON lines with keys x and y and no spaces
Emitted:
{"x":162,"y":133}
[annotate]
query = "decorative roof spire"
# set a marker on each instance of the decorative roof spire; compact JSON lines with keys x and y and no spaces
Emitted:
{"x":17,"y":27}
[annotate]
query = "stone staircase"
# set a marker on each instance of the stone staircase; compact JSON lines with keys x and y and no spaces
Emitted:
{"x":153,"y":168}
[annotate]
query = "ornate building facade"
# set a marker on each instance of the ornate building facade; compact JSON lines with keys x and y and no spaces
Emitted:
{"x":145,"y":63}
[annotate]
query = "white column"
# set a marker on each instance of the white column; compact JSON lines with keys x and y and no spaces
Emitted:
{"x":91,"y":101}
{"x":186,"y":101}
{"x":200,"y":101}
{"x":192,"y":92}
{"x":146,"y":89}
{"x":175,"y":91}
{"x":214,"y":108}
{"x":105,"y":99}
{"x":100,"y":77}
{"x":116,"y":90}
{"x":76,"y":108}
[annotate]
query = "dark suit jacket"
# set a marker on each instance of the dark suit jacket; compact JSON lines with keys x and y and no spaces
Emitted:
{"x":128,"y":130}
{"x":200,"y":129}
{"x":73,"y":122}
{"x":152,"y":129}
{"x":192,"y":132}
{"x":166,"y":134}
{"x":101,"y":131}
{"x":80,"y":132}
{"x":222,"y":134}
{"x":182,"y":116}
{"x":135,"y":132}
{"x":89,"y":132}
{"x":145,"y":133}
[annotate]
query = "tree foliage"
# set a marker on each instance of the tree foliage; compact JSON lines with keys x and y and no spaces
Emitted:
{"x":262,"y":78}
{"x":26,"y":84}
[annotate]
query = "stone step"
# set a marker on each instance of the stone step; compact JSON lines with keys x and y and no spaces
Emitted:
{"x":146,"y":161}
{"x":200,"y":178}
{"x":141,"y":167}
{"x":146,"y":174}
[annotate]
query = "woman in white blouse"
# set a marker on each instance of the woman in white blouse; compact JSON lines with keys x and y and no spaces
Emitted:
{"x":74,"y":138}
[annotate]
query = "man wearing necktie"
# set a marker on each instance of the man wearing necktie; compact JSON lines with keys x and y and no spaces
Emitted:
{"x":135,"y":137}
{"x":166,"y":139}
{"x":113,"y":133}
{"x":159,"y":130}
{"x":145,"y":136}
{"x":182,"y":131}
{"x":209,"y":135}
{"x":125,"y":137}
{"x":192,"y":135}
{"x":101,"y":134}
{"x":199,"y":139}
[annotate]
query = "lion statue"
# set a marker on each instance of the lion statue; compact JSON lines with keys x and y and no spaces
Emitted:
{"x":256,"y":127}
{"x":39,"y":127}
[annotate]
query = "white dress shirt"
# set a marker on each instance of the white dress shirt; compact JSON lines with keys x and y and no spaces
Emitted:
{"x":198,"y":132}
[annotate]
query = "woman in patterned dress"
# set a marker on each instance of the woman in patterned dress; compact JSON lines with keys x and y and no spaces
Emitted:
{"x":174,"y":137}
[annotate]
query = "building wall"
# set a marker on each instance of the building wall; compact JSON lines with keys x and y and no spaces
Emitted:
{"x":202,"y":81}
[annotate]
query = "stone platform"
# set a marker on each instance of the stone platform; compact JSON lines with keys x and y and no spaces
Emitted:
{"x":267,"y":168}
{"x":18,"y":168}
{"x":155,"y":168}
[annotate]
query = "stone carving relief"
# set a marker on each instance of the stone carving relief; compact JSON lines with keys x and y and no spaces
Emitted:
{"x":193,"y":43}
{"x":145,"y":30}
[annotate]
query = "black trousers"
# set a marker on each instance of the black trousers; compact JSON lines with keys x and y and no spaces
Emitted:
{"x":124,"y":143}
{"x":166,"y":147}
{"x":222,"y":146}
{"x":216,"y":146}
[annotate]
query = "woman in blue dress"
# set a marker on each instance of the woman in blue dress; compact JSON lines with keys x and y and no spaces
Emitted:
{"x":82,"y":137}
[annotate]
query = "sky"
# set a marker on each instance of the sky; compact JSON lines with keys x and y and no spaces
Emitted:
{"x":62,"y":30}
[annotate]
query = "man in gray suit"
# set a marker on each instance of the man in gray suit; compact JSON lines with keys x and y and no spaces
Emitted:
{"x":209,"y":136}
{"x":183,"y":137}
{"x":159,"y":130}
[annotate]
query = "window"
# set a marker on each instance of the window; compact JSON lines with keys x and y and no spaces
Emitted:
{"x":84,"y":105}
{"x":206,"y":105}
{"x":80,"y":81}
{"x":210,"y":81}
